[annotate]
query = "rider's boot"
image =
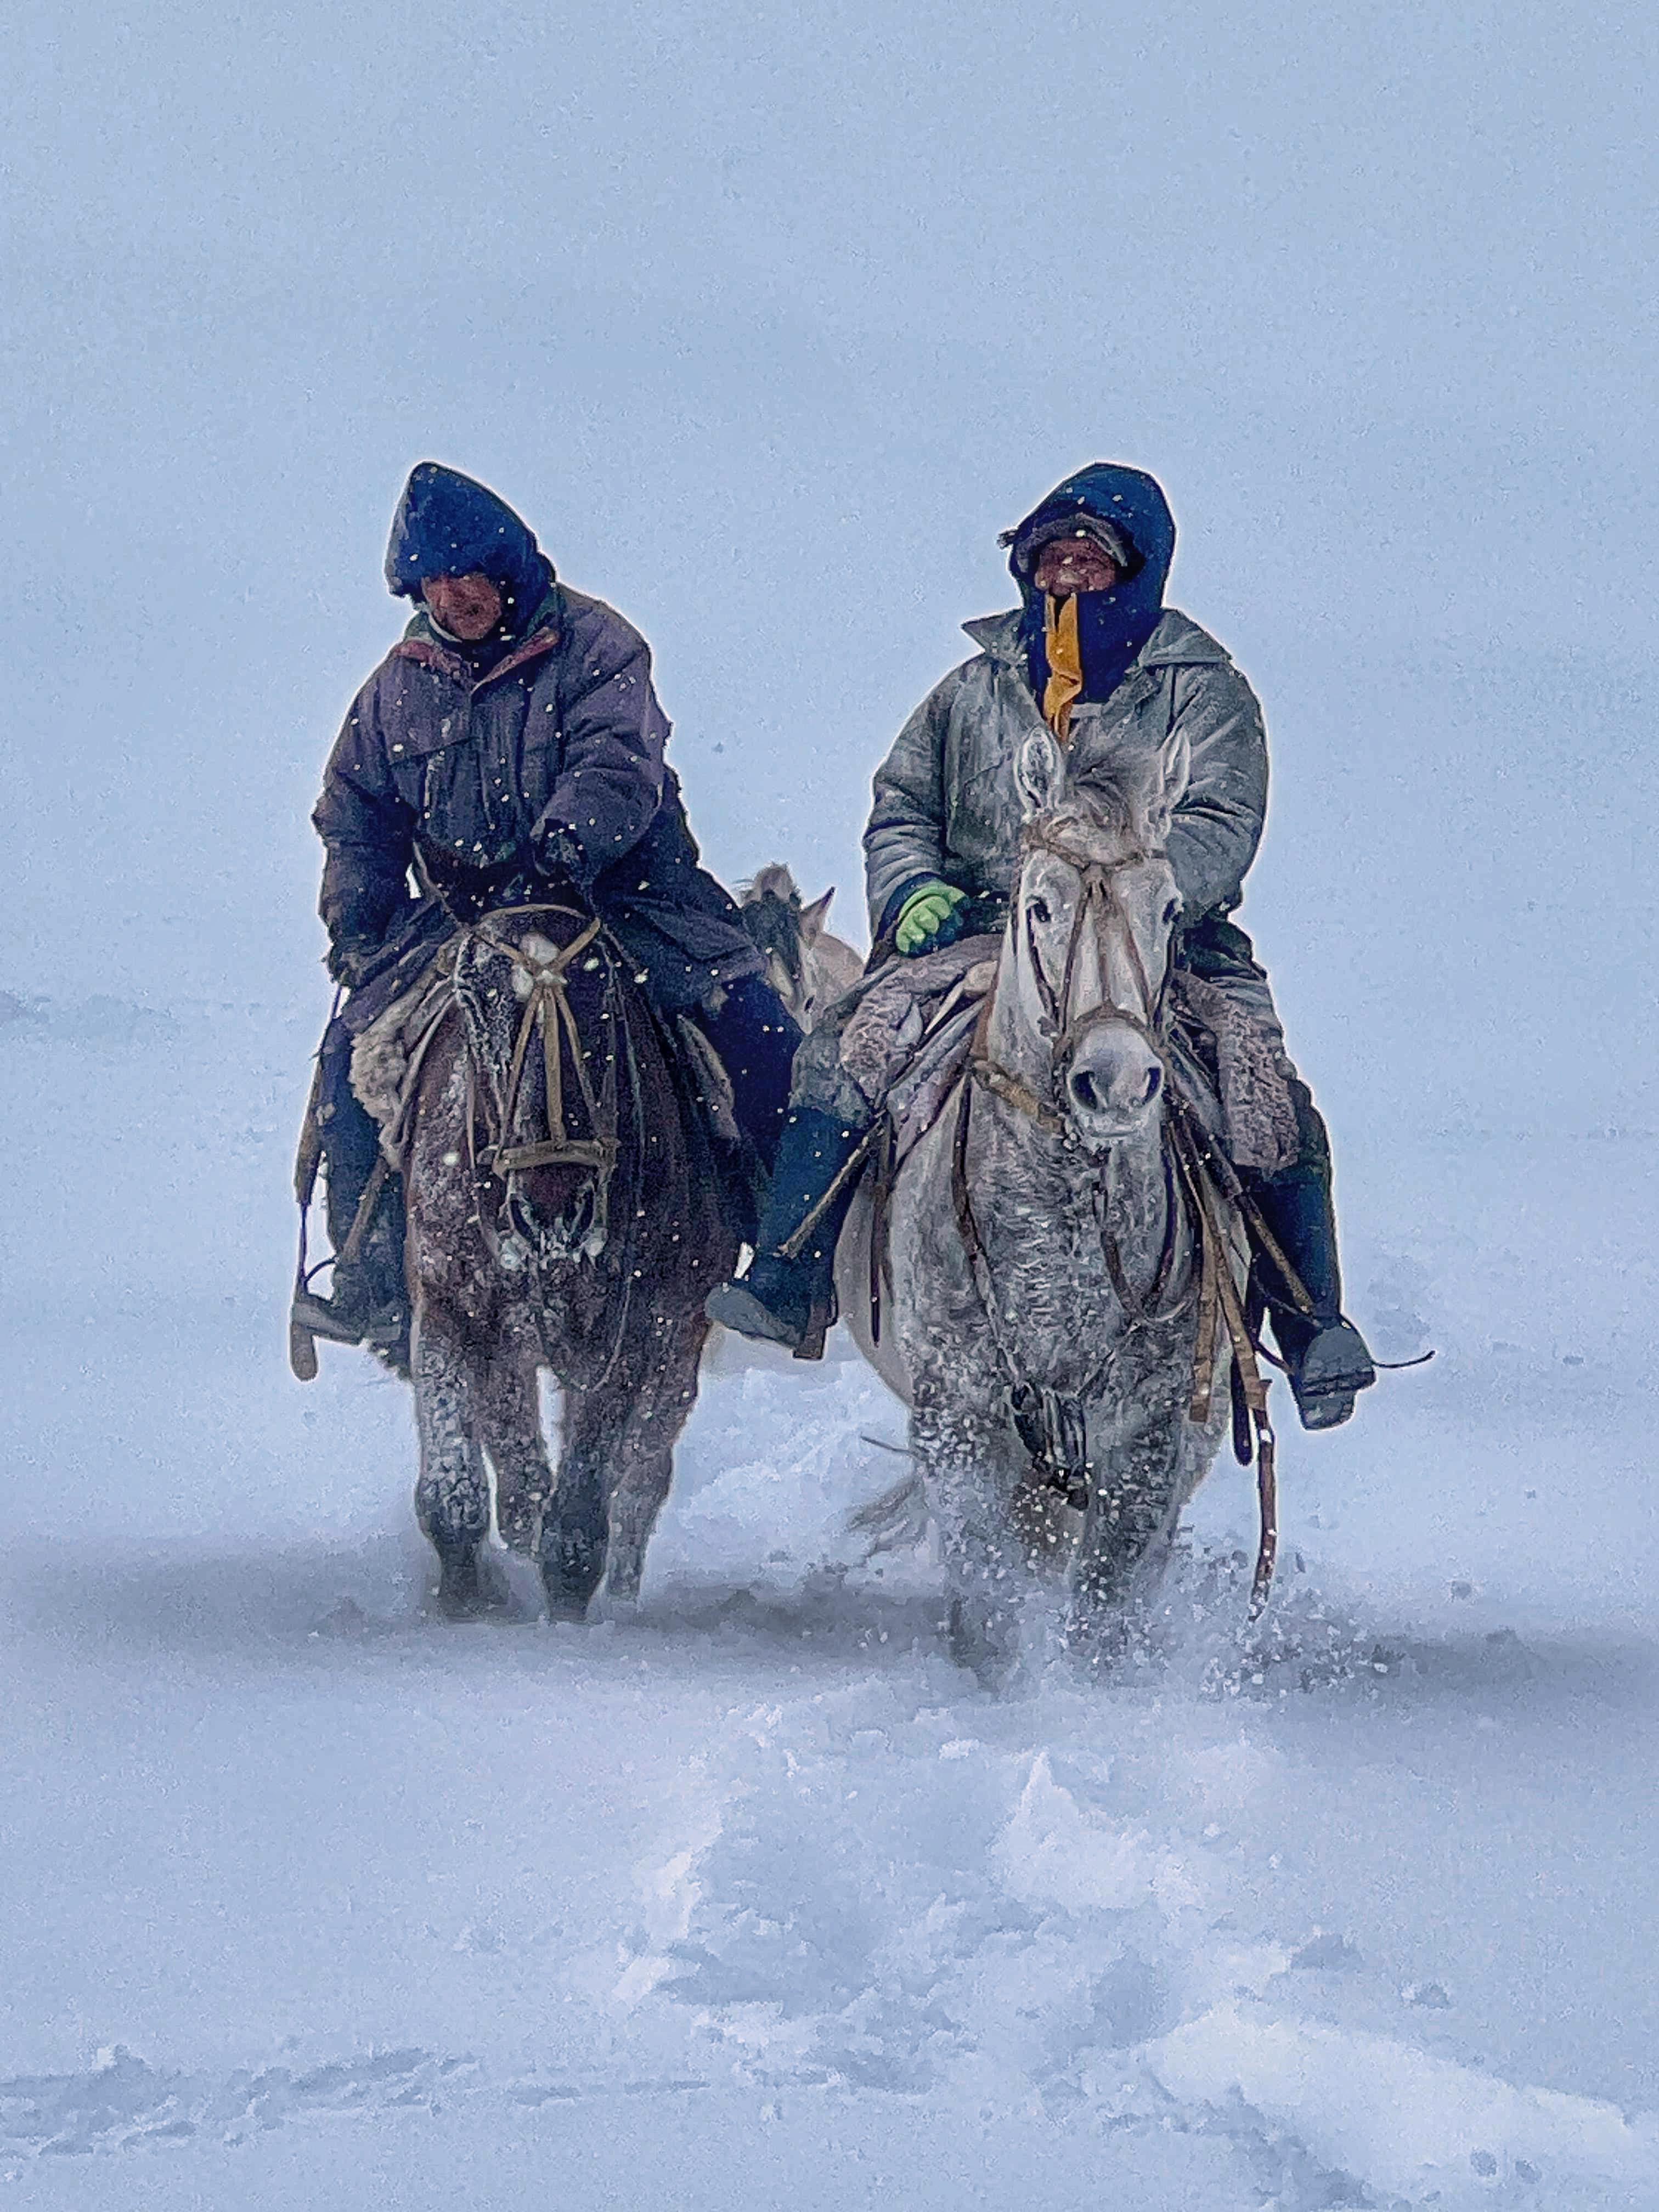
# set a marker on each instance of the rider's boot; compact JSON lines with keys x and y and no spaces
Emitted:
{"x":1325,"y":1354}
{"x":362,"y":1308}
{"x":782,"y":1300}
{"x":367,"y":1302}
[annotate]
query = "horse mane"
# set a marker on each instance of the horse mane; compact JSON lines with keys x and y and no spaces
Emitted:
{"x":775,"y":880}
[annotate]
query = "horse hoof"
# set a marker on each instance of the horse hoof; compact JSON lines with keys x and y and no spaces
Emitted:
{"x":983,"y":1644}
{"x":572,"y":1567}
{"x":468,"y":1587}
{"x":564,"y":1603}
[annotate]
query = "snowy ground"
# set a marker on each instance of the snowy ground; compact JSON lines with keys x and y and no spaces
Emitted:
{"x":310,"y":1900}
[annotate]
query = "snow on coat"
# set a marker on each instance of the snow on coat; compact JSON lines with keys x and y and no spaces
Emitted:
{"x":471,"y":777}
{"x":946,"y":801}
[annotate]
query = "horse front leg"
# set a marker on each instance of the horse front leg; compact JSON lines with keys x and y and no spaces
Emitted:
{"x":452,"y":1497}
{"x":1136,"y":1493}
{"x":516,"y":1444}
{"x":644,"y":1465}
{"x":574,"y":1532}
{"x":967,"y":1456}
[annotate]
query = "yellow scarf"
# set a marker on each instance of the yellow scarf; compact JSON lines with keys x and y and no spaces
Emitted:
{"x":1060,"y":640}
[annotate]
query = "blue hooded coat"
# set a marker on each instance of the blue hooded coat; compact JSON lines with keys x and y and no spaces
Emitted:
{"x":486,"y":770}
{"x":1126,"y":511}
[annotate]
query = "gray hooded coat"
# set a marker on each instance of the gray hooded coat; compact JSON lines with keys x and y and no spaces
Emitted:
{"x":947,"y":806}
{"x":946,"y":802}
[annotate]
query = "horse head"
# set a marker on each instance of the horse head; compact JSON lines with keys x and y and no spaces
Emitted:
{"x":540,"y":992}
{"x":1078,"y":1014}
{"x":791,"y":935}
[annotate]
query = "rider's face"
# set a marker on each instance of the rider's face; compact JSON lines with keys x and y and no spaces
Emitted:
{"x":1068,"y":565}
{"x":466,"y":606}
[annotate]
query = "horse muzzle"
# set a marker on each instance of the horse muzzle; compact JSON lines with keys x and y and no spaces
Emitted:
{"x":559,"y":1215}
{"x":1110,"y":1085}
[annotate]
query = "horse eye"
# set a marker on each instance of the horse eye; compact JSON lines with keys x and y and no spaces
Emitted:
{"x":1038,"y":910}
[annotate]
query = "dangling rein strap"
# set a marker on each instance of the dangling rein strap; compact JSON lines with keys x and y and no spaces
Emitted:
{"x":1218,"y":1302}
{"x":547,"y":1007}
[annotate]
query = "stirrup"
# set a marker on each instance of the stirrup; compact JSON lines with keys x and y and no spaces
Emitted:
{"x":1330,"y":1375}
{"x":320,"y":1318}
{"x":735,"y":1306}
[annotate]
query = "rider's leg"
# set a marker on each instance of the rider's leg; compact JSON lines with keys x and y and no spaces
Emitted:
{"x":1326,"y":1356}
{"x":777,"y":1298}
{"x":368,"y":1300}
{"x":1325,"y":1353}
{"x":756,"y":1036}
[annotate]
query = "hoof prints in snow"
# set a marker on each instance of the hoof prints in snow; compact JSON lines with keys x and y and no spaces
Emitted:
{"x":863,"y":1907}
{"x":123,"y":2103}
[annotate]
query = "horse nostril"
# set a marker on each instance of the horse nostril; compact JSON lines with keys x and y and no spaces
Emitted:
{"x":1154,"y":1084}
{"x":1084,"y":1090}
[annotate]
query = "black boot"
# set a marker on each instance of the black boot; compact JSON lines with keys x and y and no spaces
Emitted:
{"x":779,"y":1298}
{"x":368,"y":1299}
{"x":361,"y":1308}
{"x":1329,"y":1364}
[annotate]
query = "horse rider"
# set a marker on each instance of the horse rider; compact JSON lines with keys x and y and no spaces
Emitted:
{"x":508,"y":748}
{"x":1092,"y":653}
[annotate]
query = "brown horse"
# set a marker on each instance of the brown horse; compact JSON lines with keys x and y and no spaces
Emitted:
{"x":566,"y":1210}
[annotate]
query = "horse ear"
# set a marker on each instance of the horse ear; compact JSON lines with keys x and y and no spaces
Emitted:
{"x":1040,"y":772}
{"x":813,"y":917}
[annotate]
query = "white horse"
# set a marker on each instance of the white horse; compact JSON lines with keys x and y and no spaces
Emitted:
{"x":807,"y":964}
{"x":1061,"y":1260}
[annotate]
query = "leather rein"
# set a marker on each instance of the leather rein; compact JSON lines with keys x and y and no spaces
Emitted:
{"x":1193,"y":1172}
{"x":548,"y":1015}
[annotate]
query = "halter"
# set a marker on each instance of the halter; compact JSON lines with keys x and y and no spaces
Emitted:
{"x":541,"y":979}
{"x":547,"y":1011}
{"x":1193,"y":1171}
{"x":547,"y":1008}
{"x":1101,"y":899}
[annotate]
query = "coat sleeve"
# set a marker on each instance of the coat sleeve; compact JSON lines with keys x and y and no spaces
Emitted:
{"x":365,"y":826}
{"x":610,"y":784}
{"x":904,"y":842}
{"x":1218,"y":820}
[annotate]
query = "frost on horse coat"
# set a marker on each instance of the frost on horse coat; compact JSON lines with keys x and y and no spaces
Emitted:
{"x":1030,"y":1295}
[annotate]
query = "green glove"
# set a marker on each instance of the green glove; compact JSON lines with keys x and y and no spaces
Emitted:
{"x":930,"y":917}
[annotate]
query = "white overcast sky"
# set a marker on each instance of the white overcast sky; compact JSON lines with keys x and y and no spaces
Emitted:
{"x":768,"y":319}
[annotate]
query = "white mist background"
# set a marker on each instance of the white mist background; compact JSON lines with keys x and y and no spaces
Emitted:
{"x":768,"y":323}
{"x":769,"y":320}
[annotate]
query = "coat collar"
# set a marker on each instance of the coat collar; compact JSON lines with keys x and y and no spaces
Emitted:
{"x":419,"y":642}
{"x":1177,"y":643}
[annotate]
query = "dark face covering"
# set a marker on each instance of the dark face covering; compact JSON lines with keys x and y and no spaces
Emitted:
{"x":446,"y":524}
{"x":1112,"y":626}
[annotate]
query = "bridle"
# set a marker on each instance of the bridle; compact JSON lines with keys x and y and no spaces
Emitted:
{"x":1101,"y":902}
{"x":548,"y":1018}
{"x":1197,"y":1182}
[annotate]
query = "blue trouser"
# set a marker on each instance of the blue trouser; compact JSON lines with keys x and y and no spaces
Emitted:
{"x":755,"y":1035}
{"x":753,"y":1031}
